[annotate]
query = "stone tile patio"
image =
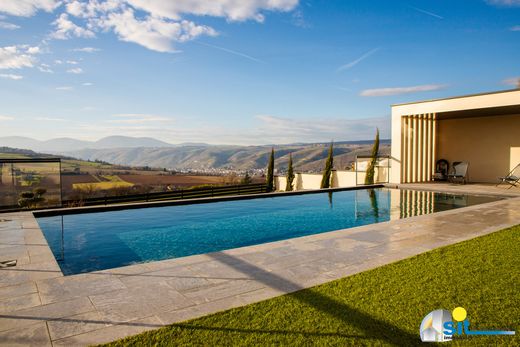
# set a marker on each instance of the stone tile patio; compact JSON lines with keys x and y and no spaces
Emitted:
{"x":39,"y":306}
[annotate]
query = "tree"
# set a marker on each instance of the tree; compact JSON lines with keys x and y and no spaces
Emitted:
{"x":369,"y":178}
{"x":290,"y":175}
{"x":32,"y":199}
{"x":231,"y":179}
{"x":329,"y":164}
{"x":246,"y":179}
{"x":269,"y":180}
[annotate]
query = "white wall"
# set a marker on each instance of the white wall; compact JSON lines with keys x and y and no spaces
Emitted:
{"x":343,"y":179}
{"x":305,"y":181}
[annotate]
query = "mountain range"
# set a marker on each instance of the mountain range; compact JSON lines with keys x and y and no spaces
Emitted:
{"x":307,"y":157}
{"x":66,"y":144}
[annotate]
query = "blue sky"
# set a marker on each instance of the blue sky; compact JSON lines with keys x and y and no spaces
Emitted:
{"x":243,"y":72}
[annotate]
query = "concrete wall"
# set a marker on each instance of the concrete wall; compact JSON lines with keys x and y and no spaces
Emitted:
{"x":490,"y":145}
{"x":343,"y":179}
{"x":340,"y":179}
{"x":304,"y":181}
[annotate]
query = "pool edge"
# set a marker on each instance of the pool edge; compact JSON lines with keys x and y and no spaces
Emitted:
{"x":138,"y":205}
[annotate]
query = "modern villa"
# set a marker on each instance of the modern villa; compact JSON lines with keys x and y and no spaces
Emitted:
{"x":481,"y":129}
{"x":90,"y":275}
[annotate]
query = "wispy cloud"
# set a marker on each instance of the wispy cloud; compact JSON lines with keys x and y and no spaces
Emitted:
{"x":274,"y":129}
{"x":76,"y":70}
{"x":402,"y":90}
{"x":45,"y":68}
{"x":512,"y":81}
{"x":9,"y":26}
{"x":267,"y":129}
{"x":65,"y":88}
{"x":357,"y":61}
{"x":427,"y":12}
{"x":137,"y":118}
{"x":86,"y":49}
{"x":11,"y":76}
{"x":504,"y":2}
{"x":5,"y":118}
{"x":50,"y":119}
{"x":87,"y":84}
{"x":298,"y":19}
{"x":515,"y":28}
{"x":240,"y":54}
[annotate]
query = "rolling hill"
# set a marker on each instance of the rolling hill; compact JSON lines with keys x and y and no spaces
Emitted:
{"x":65,"y":144}
{"x":306,"y":157}
{"x":140,"y":152}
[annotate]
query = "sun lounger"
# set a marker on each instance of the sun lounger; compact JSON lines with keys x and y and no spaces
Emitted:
{"x":460,"y":172}
{"x":512,"y":178}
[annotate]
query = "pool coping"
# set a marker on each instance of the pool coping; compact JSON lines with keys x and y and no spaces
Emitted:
{"x":149,"y":204}
{"x":86,"y":308}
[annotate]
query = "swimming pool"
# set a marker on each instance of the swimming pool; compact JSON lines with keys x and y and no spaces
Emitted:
{"x":104,"y":240}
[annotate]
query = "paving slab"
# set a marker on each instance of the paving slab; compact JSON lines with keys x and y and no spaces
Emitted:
{"x":40,"y":306}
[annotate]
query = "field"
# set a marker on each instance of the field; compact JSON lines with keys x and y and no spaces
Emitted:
{"x":103,"y":183}
{"x":176,"y":180}
{"x":83,"y":179}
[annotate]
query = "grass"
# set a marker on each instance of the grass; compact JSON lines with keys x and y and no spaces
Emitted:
{"x":12,"y":156}
{"x":384,"y":306}
{"x":113,"y":181}
{"x":72,"y":163}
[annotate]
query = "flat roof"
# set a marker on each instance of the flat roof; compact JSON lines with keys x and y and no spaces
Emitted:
{"x":458,"y":97}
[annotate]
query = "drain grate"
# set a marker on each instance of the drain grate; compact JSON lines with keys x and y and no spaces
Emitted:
{"x":7,"y":263}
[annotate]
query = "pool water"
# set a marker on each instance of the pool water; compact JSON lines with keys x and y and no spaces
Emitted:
{"x":104,"y":240}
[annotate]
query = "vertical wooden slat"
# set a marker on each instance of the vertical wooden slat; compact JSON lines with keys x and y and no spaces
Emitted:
{"x":418,"y":172}
{"x":404,"y":146}
{"x":409,"y":151}
{"x":424,"y":148}
{"x":434,"y":138}
{"x":413,"y":158}
{"x":427,"y":149}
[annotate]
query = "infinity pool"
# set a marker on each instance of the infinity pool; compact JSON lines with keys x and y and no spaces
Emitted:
{"x":104,"y":240}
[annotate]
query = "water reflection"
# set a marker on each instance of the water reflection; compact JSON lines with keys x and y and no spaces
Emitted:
{"x":410,"y":203}
{"x":373,"y":202}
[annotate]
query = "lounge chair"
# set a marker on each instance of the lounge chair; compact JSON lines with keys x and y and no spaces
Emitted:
{"x":460,"y":172}
{"x":512,"y":178}
{"x":441,"y":170}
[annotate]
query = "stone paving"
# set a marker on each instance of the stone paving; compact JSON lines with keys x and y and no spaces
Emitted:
{"x":39,"y":306}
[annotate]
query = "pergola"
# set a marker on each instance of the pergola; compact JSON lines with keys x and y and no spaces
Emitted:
{"x":482,"y":129}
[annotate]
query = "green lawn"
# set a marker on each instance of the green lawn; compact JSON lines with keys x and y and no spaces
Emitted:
{"x":383,"y":306}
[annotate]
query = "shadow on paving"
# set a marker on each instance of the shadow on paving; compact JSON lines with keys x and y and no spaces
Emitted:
{"x":372,"y":327}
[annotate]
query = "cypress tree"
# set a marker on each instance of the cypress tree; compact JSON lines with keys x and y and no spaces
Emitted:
{"x":369,"y":178}
{"x":270,"y":173}
{"x":329,"y":164}
{"x":246,"y":179}
{"x":290,"y":175}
